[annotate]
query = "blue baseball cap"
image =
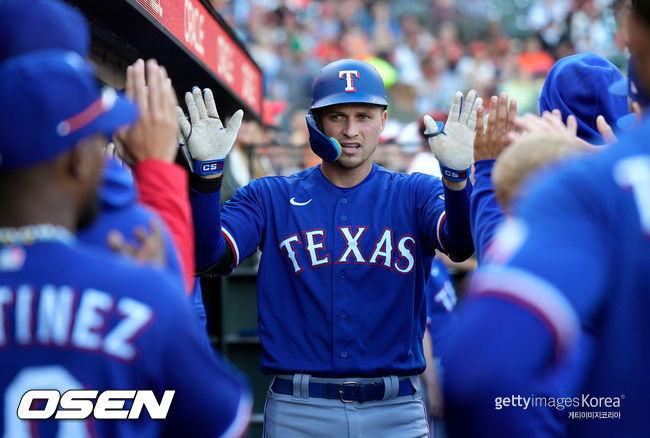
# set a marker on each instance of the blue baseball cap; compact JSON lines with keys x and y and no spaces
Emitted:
{"x":579,"y":85}
{"x":51,"y":101}
{"x":29,"y":25}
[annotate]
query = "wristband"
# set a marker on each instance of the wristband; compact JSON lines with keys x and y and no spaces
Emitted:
{"x":455,"y":175}
{"x":208,"y":167}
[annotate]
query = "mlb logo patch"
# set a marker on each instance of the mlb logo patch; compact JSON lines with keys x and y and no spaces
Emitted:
{"x":12,"y":258}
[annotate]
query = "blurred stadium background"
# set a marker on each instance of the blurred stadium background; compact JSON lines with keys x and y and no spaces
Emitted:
{"x":425,"y":50}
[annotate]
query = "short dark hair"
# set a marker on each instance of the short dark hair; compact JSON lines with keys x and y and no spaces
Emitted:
{"x":642,"y":9}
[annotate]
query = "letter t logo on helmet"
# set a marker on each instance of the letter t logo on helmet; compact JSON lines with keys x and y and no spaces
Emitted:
{"x":349,"y":81}
{"x":363,"y":84}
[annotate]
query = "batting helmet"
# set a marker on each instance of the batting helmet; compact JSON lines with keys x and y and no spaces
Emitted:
{"x":348,"y":81}
{"x":343,"y":81}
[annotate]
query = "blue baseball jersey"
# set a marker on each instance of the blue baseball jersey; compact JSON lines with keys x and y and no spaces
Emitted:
{"x":442,"y":316}
{"x":341,"y":278}
{"x":72,"y":317}
{"x":575,"y":265}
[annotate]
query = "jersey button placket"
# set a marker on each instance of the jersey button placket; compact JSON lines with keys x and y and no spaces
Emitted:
{"x":342,"y":319}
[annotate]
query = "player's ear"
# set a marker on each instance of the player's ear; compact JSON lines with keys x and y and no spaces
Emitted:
{"x":384,"y":116}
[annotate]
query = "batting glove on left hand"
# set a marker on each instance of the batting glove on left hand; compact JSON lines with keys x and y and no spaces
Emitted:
{"x":206,"y":140}
{"x":453,"y":147}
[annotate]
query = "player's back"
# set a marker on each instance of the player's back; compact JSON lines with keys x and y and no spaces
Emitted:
{"x":623,"y":356}
{"x":601,"y":262}
{"x":74,"y":318}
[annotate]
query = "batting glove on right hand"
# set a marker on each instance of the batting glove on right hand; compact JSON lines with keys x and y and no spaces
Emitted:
{"x":453,"y":147}
{"x":206,"y":140}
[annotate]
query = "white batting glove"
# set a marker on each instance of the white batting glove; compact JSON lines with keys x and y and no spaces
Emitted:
{"x":206,"y":140}
{"x":453,"y":147}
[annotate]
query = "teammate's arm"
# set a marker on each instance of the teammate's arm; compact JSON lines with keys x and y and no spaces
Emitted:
{"x":489,"y":142}
{"x":212,"y":252}
{"x":206,"y":143}
{"x":454,"y":150}
{"x":150,"y":147}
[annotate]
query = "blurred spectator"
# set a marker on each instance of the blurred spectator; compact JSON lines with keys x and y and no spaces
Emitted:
{"x":439,"y":85}
{"x":424,"y":50}
{"x":477,"y":69}
{"x":548,"y":17}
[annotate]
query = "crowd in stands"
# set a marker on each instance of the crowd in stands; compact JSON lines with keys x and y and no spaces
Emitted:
{"x":425,"y":51}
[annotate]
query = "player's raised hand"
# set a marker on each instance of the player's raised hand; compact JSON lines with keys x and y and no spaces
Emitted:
{"x":492,"y":139}
{"x":206,"y":139}
{"x":155,"y":133}
{"x":453,"y":146}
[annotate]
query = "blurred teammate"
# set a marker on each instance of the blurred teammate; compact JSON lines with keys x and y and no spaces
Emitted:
{"x":574,"y":257}
{"x":346,"y":248}
{"x":74,"y":317}
{"x":27,"y":26}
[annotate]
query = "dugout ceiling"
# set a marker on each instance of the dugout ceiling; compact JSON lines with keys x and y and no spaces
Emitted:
{"x":188,"y":37}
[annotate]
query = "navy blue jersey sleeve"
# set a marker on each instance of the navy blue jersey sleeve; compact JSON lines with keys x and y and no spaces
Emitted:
{"x":430,"y":209}
{"x":443,"y":215}
{"x":456,"y":234}
{"x":206,"y":214}
{"x":485,"y":212}
{"x":244,"y":219}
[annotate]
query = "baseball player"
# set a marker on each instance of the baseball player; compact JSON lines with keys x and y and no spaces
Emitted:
{"x":72,"y":316}
{"x":576,"y":256}
{"x":346,"y":247}
{"x":51,"y":24}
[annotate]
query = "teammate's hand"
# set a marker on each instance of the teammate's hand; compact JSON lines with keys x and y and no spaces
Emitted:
{"x":490,"y":141}
{"x":549,"y":123}
{"x":205,"y":137}
{"x":149,"y":248}
{"x":454,"y":147}
{"x":154,"y":134}
{"x":605,"y":130}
